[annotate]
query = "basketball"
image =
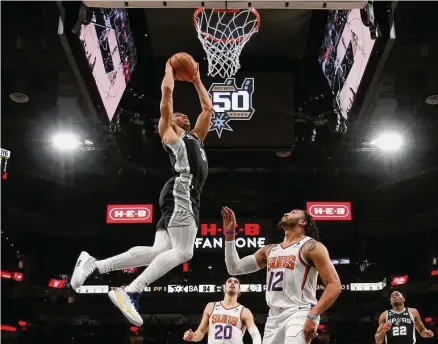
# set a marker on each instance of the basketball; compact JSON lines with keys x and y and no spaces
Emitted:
{"x":184,"y":66}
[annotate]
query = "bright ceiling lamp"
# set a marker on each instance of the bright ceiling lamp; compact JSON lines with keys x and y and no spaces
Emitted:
{"x":66,"y":141}
{"x":389,"y":142}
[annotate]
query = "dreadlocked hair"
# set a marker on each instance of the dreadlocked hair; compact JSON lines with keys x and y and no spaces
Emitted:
{"x":310,"y":229}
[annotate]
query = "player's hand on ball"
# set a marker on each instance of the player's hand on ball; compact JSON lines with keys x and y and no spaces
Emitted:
{"x":229,"y":219}
{"x":386,"y":327}
{"x":188,"y":336}
{"x":427,"y":334}
{"x":196,"y":76}
{"x":309,"y":330}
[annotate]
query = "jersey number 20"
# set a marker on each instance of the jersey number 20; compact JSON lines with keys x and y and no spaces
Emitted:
{"x":399,"y":331}
{"x":223,"y":332}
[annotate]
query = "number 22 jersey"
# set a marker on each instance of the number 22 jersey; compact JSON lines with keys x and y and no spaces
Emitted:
{"x":402,"y":330}
{"x":225,"y":325}
{"x":291,"y":279}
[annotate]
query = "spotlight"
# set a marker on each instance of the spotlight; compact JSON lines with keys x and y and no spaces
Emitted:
{"x":66,"y":141}
{"x":389,"y":142}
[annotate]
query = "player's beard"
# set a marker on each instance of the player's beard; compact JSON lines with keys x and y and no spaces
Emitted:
{"x":290,"y":222}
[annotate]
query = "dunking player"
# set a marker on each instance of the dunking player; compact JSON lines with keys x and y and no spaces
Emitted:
{"x":292,"y":272}
{"x":179,"y":203}
{"x":226,"y":321}
{"x":397,"y":325}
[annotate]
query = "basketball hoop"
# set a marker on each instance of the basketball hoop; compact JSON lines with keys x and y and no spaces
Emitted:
{"x":223,"y":34}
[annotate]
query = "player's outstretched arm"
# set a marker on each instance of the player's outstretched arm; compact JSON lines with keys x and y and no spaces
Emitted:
{"x":317,"y":253}
{"x":204,"y":119}
{"x":248,"y":320}
{"x":422,"y":330}
{"x":235,"y":265}
{"x":382,"y":329}
{"x":199,"y":334}
{"x":166,"y":107}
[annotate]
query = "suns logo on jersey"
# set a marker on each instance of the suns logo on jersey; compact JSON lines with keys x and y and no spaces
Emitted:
{"x":224,"y":319}
{"x":230,"y":103}
{"x":282,"y":262}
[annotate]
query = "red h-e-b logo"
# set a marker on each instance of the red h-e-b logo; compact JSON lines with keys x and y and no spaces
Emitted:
{"x":330,"y":211}
{"x":129,"y":213}
{"x":212,"y":229}
{"x":56,"y":283}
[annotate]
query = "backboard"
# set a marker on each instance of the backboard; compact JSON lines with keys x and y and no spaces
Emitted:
{"x":233,"y":4}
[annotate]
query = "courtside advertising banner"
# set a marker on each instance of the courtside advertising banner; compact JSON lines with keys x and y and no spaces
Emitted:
{"x":129,"y":213}
{"x":330,"y":211}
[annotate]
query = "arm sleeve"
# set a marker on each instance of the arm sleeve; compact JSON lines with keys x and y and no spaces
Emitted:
{"x":255,"y":335}
{"x":237,"y":266}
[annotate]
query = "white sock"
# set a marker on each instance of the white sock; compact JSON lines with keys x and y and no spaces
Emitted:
{"x":183,"y":242}
{"x":137,"y":256}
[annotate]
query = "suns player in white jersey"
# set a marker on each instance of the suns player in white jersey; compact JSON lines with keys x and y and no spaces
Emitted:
{"x":226,"y":320}
{"x":292,"y":272}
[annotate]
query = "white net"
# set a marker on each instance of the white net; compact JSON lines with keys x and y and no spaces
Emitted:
{"x":223,"y":34}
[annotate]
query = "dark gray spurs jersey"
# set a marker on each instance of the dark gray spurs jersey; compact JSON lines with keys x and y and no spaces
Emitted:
{"x":403,"y":327}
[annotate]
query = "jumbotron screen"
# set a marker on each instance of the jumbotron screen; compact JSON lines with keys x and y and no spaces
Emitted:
{"x":109,"y":47}
{"x":344,"y":55}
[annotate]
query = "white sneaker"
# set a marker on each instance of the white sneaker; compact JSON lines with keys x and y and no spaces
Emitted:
{"x":128,"y":305}
{"x":85,"y":266}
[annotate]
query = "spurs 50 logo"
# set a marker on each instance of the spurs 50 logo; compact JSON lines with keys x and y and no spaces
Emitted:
{"x":230,"y":103}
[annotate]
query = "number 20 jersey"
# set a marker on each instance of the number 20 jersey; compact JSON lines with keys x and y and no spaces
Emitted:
{"x":291,"y":279}
{"x":225,"y":325}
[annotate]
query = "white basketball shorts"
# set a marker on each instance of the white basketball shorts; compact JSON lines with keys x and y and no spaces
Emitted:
{"x":285,"y":326}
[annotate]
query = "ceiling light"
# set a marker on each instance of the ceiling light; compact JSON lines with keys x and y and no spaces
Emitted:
{"x":283,"y":154}
{"x":66,"y":141}
{"x":388,"y":142}
{"x":432,"y":100}
{"x":20,"y":98}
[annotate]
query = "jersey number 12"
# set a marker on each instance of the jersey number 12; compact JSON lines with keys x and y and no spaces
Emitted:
{"x":276,"y":281}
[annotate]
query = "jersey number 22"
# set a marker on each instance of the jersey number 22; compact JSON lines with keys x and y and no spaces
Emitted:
{"x":399,"y":331}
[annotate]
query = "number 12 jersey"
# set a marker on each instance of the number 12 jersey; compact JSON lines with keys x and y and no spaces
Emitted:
{"x":291,"y":279}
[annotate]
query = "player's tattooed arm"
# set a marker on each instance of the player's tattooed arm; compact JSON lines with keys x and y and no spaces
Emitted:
{"x":203,"y":122}
{"x":422,"y":330}
{"x":309,"y":246}
{"x":317,"y":253}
